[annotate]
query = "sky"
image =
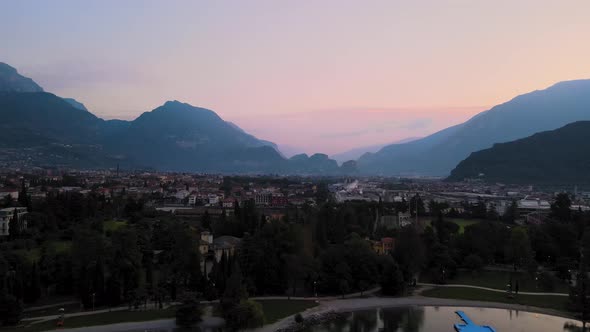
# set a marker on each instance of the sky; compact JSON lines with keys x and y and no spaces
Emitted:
{"x":313,"y":76}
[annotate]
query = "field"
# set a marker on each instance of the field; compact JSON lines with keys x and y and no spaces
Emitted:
{"x":113,"y":225}
{"x":278,"y":309}
{"x":541,"y":301}
{"x":462,"y":223}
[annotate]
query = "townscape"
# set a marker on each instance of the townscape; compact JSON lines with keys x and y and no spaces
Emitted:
{"x":148,"y":239}
{"x":294,"y":166}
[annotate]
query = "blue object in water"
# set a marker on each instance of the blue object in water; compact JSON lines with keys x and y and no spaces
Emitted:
{"x":469,"y":325}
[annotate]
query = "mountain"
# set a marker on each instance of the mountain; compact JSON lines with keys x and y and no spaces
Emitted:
{"x":356,"y":153}
{"x":41,"y":129}
{"x":12,"y":81}
{"x":178,"y":136}
{"x":520,"y":117}
{"x":552,"y":157}
{"x":76,"y":104}
{"x":262,"y":142}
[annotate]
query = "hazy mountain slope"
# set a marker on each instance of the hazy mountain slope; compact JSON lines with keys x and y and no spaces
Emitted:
{"x":356,"y":153}
{"x":178,"y":136}
{"x":552,"y":157}
{"x":522,"y":116}
{"x":76,"y":104}
{"x":12,"y":81}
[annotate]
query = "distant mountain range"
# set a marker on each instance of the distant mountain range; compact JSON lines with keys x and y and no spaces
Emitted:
{"x":41,"y":129}
{"x":520,"y":117}
{"x":356,"y":153}
{"x":552,"y":157}
{"x":47,"y":130}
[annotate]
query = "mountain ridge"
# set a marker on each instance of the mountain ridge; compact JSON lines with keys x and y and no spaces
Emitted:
{"x":551,"y":157}
{"x":521,"y":116}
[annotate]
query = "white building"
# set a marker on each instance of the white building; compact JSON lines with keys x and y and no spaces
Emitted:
{"x":6,"y":216}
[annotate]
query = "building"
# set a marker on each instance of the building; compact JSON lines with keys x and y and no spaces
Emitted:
{"x":228,"y":203}
{"x":205,"y":243}
{"x":264,"y":198}
{"x":7,"y":214}
{"x":384,"y":246}
{"x":227,"y":245}
{"x":192,"y":199}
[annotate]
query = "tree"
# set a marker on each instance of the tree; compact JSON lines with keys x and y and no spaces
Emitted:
{"x":473,"y":262}
{"x":511,"y":213}
{"x":410,"y":252}
{"x":11,"y":309}
{"x":8,"y":201}
{"x":392,"y":279}
{"x":579,"y":298}
{"x":189,"y":313}
{"x":206,"y":221}
{"x":14,"y":226}
{"x":518,"y":250}
{"x":245,"y":315}
{"x":561,"y":208}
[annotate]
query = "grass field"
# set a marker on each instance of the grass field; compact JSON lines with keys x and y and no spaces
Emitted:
{"x":541,"y":301}
{"x":462,"y":223}
{"x":113,"y":225}
{"x":277,"y":309}
{"x":99,"y":319}
{"x":500,"y":279}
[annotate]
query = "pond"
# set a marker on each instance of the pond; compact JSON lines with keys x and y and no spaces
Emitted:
{"x":442,"y":319}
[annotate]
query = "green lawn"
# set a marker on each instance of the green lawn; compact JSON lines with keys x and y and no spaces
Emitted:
{"x":462,"y":223}
{"x":499,"y":280}
{"x":549,"y":301}
{"x":61,"y":246}
{"x":100,"y":319}
{"x":113,"y":225}
{"x":31,"y":256}
{"x":277,"y":309}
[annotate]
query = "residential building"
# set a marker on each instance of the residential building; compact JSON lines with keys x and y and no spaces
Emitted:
{"x":7,"y":214}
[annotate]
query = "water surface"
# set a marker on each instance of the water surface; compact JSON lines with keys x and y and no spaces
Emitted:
{"x":441,"y":319}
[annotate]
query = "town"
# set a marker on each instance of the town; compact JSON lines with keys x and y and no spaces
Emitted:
{"x":111,"y":238}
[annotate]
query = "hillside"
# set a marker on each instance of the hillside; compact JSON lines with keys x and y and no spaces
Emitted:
{"x":12,"y":81}
{"x":520,"y":117}
{"x":41,"y":129}
{"x":552,"y":157}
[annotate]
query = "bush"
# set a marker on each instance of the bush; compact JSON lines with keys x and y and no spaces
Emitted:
{"x":11,"y":310}
{"x":473,"y":262}
{"x":246,"y":315}
{"x":298,"y":318}
{"x":547,"y":281}
{"x":188,"y":314}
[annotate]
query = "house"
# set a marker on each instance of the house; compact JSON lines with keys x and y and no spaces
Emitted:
{"x":7,"y":214}
{"x":228,"y":203}
{"x":192,"y":199}
{"x":13,"y":193}
{"x":227,"y":245}
{"x":384,"y":246}
{"x":205,"y":243}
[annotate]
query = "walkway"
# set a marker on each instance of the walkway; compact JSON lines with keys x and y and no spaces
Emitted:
{"x":490,"y":289}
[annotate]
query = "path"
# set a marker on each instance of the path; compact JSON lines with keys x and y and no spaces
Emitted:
{"x":490,"y":289}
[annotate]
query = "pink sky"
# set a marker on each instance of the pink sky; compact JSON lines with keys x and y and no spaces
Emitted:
{"x":325,"y":76}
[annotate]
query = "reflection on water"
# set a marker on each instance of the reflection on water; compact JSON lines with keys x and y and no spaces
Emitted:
{"x":441,"y":319}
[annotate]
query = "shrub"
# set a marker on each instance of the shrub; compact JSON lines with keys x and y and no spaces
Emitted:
{"x":298,"y":318}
